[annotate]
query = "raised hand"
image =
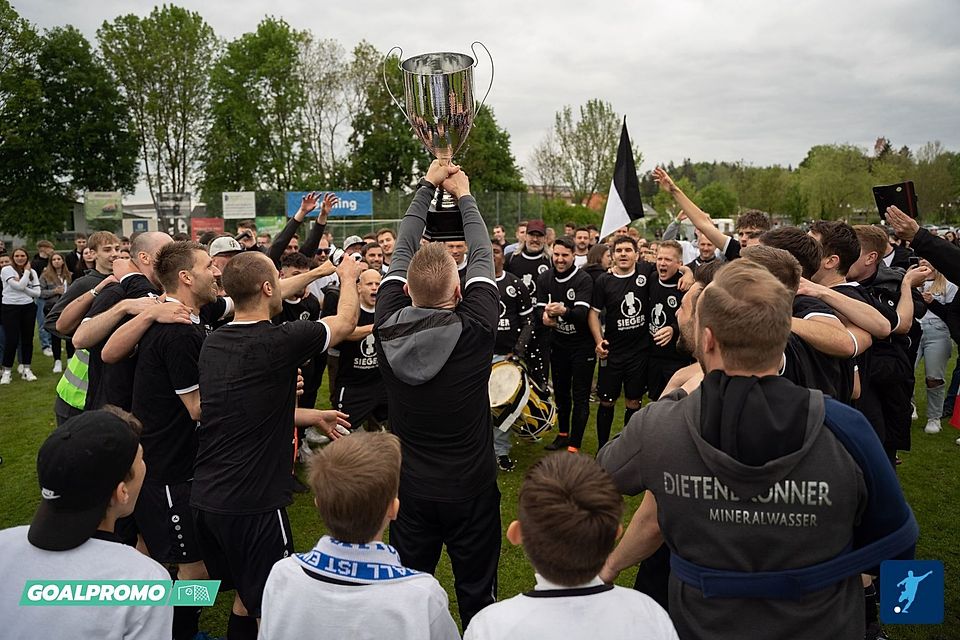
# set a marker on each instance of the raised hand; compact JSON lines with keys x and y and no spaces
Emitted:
{"x":916,"y":276}
{"x":349,"y":270}
{"x":309,"y":202}
{"x":330,"y":200}
{"x":904,"y":226}
{"x":664,"y":180}
{"x":437,"y":172}
{"x":458,"y":184}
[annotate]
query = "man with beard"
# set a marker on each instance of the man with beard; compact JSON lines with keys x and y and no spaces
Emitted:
{"x":527,"y":264}
{"x":738,"y":451}
{"x":513,"y":336}
{"x":581,"y":241}
{"x":360,"y":392}
{"x":563,"y":305}
{"x":373,"y":255}
{"x":622,"y":296}
{"x":166,"y":397}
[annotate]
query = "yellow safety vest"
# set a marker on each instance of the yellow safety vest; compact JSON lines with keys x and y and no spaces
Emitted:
{"x":72,"y":387}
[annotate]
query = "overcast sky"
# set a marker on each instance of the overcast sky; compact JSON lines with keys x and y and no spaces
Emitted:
{"x":757,"y":81}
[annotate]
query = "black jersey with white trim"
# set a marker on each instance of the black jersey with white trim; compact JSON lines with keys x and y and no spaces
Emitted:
{"x":625,"y":300}
{"x":248,"y":395}
{"x":358,"y":358}
{"x":113,"y":383}
{"x":167,"y":367}
{"x":805,"y":366}
{"x":515,"y":309}
{"x":306,"y":308}
{"x":575,"y":290}
{"x":665,"y":297}
{"x":528,"y":268}
{"x":807,"y":307}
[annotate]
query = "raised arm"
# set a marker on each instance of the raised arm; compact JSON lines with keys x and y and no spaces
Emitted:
{"x":906,"y":305}
{"x":348,"y":308}
{"x":312,"y":242}
{"x":307,"y":204}
{"x":124,"y":340}
{"x":859,"y":313}
{"x":289,"y":287}
{"x":699,"y":219}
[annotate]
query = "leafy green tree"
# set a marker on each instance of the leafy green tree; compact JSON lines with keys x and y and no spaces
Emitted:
{"x":717,"y":200}
{"x":836,"y":181}
{"x":256,"y":137}
{"x":582,"y":152}
{"x":90,"y":130}
{"x":383,"y":150}
{"x":162,"y":64}
{"x":487,"y":158}
{"x":936,"y":185}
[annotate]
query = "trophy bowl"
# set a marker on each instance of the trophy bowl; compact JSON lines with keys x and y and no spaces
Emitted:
{"x":439,"y":105}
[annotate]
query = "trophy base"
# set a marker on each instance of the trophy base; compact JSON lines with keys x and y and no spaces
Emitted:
{"x":444,"y":220}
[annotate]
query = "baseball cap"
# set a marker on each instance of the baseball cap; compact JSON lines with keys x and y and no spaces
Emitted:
{"x":537,"y":226}
{"x":224,"y":244}
{"x":352,"y":240}
{"x":78,"y":467}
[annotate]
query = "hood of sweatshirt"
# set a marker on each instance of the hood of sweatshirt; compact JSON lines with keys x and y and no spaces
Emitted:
{"x":417,"y":342}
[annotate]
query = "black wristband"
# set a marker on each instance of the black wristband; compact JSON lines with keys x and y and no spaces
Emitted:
{"x":426,"y":183}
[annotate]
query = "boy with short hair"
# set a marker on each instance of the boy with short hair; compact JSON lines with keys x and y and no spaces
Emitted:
{"x":568,"y":521}
{"x":364,"y":590}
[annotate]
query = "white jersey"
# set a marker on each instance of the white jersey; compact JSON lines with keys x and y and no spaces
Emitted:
{"x":93,"y":560}
{"x":588,"y":612}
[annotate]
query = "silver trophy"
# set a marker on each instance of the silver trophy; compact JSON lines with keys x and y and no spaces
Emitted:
{"x":438,"y":94}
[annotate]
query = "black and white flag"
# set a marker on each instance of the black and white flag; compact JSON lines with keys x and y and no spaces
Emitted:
{"x":623,"y":203}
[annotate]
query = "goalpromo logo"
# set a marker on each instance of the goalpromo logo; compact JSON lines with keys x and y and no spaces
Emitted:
{"x":119,"y":593}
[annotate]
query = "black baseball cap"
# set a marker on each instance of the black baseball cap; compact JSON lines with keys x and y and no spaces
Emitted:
{"x":78,"y":467}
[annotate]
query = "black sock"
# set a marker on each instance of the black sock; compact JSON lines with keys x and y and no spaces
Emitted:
{"x":604,"y":424}
{"x":870,"y":607}
{"x":186,"y":622}
{"x":627,"y":414}
{"x":241,"y":627}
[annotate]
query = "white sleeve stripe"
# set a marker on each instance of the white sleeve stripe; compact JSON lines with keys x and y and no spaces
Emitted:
{"x":856,"y":345}
{"x":181,"y":392}
{"x":228,"y":308}
{"x":389,"y":278}
{"x":326,"y":341}
{"x":479,"y":279}
{"x":581,"y":303}
{"x":820,"y":314}
{"x":597,"y":310}
{"x":541,"y":304}
{"x":530,"y":310}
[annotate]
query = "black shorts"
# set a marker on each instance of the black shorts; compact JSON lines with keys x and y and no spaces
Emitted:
{"x":165,"y":520}
{"x":360,"y":402}
{"x":240,"y":550}
{"x":630,"y":375}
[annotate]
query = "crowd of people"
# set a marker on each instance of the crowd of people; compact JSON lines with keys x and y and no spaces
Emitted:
{"x":777,"y":368}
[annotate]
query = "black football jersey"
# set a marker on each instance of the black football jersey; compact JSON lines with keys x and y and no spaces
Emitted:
{"x":625,"y":303}
{"x":528,"y":268}
{"x":515,"y":310}
{"x":575,"y":290}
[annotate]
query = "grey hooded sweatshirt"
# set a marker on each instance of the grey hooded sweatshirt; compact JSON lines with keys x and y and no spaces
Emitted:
{"x":436,"y":366}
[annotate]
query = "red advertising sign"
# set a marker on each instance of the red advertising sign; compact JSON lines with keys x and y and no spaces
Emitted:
{"x":199,"y":226}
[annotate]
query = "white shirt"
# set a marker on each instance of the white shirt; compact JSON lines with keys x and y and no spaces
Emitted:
{"x":316,"y":287}
{"x":579,"y":260}
{"x":93,"y":560}
{"x":610,"y":614}
{"x":942,"y":298}
{"x":19,"y":289}
{"x":299,"y":604}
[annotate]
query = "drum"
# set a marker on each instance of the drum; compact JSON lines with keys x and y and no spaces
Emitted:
{"x":509,"y":392}
{"x":517,"y":402}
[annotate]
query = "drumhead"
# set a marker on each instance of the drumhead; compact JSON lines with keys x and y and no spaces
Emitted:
{"x":505,"y":381}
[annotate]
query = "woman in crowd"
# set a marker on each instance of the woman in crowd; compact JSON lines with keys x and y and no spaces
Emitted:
{"x":21,"y":288}
{"x":935,"y":344}
{"x":598,"y":260}
{"x":88,"y":260}
{"x":53,"y":282}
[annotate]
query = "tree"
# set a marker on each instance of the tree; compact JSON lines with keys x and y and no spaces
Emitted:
{"x":162,"y":64}
{"x":63,"y":128}
{"x":835,"y":180}
{"x":547,"y":167}
{"x":90,"y":131}
{"x":935,"y":184}
{"x":384,"y":152}
{"x":486,"y":156}
{"x":588,"y":147}
{"x":257,"y":134}
{"x":717,"y":200}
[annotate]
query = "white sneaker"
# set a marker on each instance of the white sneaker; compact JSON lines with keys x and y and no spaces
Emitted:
{"x":48,"y":352}
{"x":914,"y":415}
{"x":20,"y":369}
{"x":28,"y":375}
{"x":933,"y":426}
{"x":5,"y":379}
{"x":58,"y":367}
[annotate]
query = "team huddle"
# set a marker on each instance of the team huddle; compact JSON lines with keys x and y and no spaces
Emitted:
{"x":778,"y":368}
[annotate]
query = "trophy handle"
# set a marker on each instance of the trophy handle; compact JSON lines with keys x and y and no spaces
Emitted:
{"x":387,"y":84}
{"x":476,"y":57}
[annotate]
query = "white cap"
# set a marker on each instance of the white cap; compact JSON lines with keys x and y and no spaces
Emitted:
{"x":224,"y":244}
{"x":352,"y":240}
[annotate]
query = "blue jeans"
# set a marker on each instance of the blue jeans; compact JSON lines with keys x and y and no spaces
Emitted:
{"x":45,"y":337}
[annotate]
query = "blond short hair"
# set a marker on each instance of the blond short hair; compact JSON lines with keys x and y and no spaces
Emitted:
{"x":871,"y":238}
{"x":432,"y":275}
{"x":781,"y":263}
{"x":355,"y":479}
{"x":749,"y":312}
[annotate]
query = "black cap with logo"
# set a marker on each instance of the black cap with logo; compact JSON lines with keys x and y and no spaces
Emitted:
{"x":78,"y":467}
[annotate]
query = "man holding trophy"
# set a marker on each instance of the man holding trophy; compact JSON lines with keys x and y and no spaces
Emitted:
{"x":435,"y":342}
